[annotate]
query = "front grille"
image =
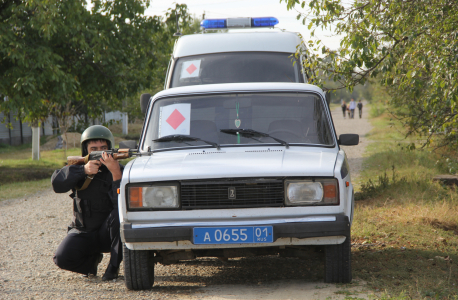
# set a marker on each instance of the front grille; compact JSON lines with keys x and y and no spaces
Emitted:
{"x":251,"y":192}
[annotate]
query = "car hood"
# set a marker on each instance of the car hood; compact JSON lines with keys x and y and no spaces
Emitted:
{"x":209,"y":163}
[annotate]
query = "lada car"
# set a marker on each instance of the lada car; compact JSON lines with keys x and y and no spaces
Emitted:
{"x":255,"y":54}
{"x":234,"y":170}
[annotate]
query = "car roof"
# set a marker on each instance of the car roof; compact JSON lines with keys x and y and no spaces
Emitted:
{"x":245,"y":87}
{"x":263,"y":41}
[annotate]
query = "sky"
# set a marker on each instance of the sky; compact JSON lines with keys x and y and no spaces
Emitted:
{"x":245,"y":8}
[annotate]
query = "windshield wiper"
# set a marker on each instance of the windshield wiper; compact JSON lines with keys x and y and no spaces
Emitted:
{"x":250,"y":133}
{"x":181,"y":138}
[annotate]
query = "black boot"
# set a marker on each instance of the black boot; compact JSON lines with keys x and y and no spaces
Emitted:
{"x":98,"y":258}
{"x":111,"y":273}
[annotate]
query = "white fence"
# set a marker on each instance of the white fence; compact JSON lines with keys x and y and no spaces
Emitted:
{"x":21,"y":132}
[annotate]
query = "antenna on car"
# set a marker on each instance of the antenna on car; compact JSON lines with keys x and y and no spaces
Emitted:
{"x":203,"y":18}
{"x":178,"y":33}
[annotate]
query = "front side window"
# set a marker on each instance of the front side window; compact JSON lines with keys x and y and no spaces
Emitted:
{"x":235,"y":68}
{"x":236,"y":119}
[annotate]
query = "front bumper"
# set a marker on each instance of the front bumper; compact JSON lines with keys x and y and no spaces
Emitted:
{"x":340,"y":226}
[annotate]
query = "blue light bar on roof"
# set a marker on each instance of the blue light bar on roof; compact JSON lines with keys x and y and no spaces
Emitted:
{"x":238,"y":23}
{"x":213,"y":23}
{"x":264,"y":22}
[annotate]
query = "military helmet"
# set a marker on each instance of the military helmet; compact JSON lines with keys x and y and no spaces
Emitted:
{"x":96,"y":132}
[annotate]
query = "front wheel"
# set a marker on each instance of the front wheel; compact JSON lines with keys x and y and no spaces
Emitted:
{"x":138,"y":269}
{"x":338,"y":262}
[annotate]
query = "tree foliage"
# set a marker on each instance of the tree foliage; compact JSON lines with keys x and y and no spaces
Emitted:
{"x":411,"y":46}
{"x":164,"y":41}
{"x":53,"y":52}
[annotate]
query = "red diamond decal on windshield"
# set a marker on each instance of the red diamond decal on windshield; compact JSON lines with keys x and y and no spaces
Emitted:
{"x":191,"y":69}
{"x":175,"y":119}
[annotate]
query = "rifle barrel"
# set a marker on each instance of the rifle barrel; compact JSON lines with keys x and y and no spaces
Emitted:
{"x":96,"y":155}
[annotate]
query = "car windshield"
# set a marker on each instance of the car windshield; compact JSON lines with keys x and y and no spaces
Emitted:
{"x":261,"y":118}
{"x":236,"y":67}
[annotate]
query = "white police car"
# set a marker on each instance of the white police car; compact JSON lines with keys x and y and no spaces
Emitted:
{"x":227,"y":169}
{"x":241,"y":56}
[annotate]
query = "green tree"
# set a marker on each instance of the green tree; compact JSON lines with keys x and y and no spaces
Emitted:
{"x":411,"y":45}
{"x":164,"y":41}
{"x":53,"y":52}
{"x":62,"y":58}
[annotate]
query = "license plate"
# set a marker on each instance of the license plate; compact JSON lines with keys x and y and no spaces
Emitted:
{"x":233,"y":235}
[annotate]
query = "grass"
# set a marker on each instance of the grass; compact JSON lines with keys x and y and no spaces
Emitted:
{"x":21,"y":190}
{"x":21,"y":176}
{"x":405,"y":230}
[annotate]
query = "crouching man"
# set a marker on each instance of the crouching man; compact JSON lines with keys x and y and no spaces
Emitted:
{"x":95,"y":226}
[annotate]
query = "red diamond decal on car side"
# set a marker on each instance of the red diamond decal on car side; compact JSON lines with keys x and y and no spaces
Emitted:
{"x":175,"y":119}
{"x":191,"y":69}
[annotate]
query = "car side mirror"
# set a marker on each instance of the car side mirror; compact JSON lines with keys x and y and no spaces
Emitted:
{"x":144,"y":100}
{"x":349,"y":139}
{"x":129,"y":144}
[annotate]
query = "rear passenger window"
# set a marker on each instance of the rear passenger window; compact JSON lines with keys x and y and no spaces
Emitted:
{"x":236,"y":67}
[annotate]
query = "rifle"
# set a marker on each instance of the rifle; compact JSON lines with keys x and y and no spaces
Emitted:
{"x":97,"y":155}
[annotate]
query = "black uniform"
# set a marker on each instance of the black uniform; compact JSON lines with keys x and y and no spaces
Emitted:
{"x":95,"y":225}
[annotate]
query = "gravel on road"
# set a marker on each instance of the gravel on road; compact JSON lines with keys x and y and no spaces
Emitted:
{"x":33,"y":227}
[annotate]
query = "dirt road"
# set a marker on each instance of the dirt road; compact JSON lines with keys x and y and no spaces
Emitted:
{"x":358,"y":126}
{"x":33,"y":227}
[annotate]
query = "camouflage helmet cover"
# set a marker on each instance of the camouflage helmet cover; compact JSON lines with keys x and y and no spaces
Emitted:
{"x":96,"y":132}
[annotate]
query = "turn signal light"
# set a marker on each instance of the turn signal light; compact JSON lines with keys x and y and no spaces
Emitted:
{"x":135,"y":197}
{"x":330,"y":191}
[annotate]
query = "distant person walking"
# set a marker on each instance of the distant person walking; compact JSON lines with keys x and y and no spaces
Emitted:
{"x":344,"y":108}
{"x":360,"y":108}
{"x":352,"y":108}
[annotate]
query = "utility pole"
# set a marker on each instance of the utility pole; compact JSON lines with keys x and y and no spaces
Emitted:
{"x":125,"y":118}
{"x":125,"y":123}
{"x":35,"y":140}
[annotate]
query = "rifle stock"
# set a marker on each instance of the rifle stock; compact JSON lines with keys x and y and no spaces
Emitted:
{"x":76,"y":160}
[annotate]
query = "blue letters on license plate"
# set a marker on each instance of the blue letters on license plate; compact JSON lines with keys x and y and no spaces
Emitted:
{"x":233,"y":235}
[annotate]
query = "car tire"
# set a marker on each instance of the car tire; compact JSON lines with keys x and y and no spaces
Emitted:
{"x":138,"y":269}
{"x":338,"y":262}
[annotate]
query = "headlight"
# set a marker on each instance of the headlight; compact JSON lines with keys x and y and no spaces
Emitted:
{"x":155,"y":196}
{"x":307,"y":192}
